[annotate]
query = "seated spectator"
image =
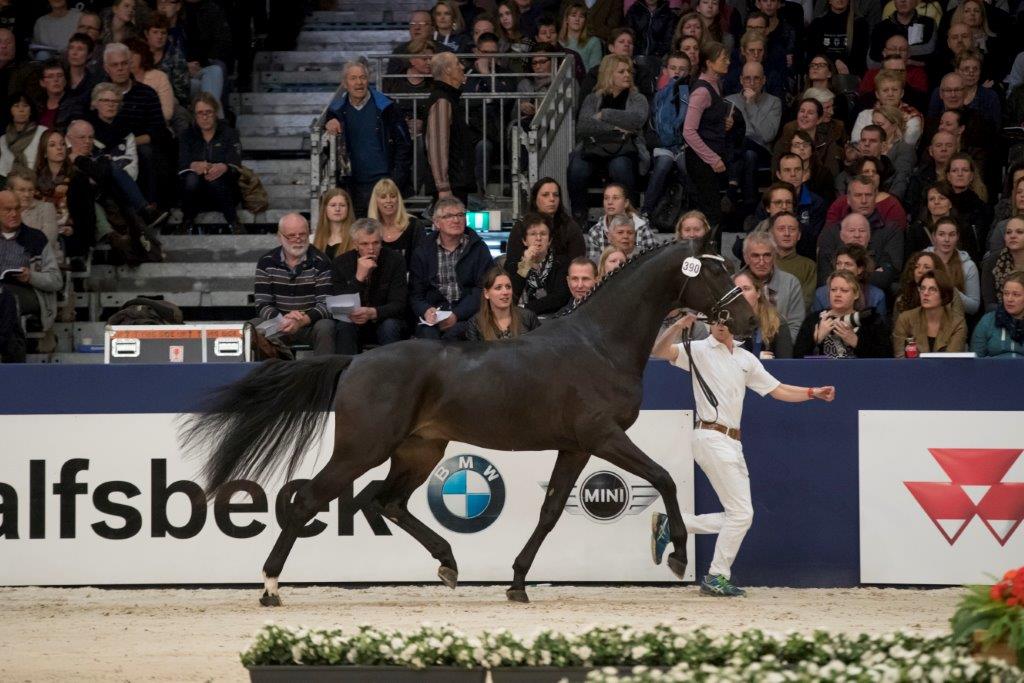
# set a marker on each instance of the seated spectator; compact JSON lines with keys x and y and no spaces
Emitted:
{"x":978,"y":97}
{"x":690,"y":25}
{"x":834,"y":115}
{"x":119,"y":23}
{"x":333,"y":235}
{"x":761,"y":113}
{"x":832,"y":89}
{"x":920,"y":30}
{"x":27,"y":250}
{"x":378,"y":276}
{"x":399,"y":231}
{"x":938,"y":204}
{"x":779,"y":197}
{"x":54,"y":28}
{"x":421,"y":28}
{"x":666,"y":123}
{"x":546,"y":40}
{"x":293,"y":281}
{"x":900,"y":154}
{"x":970,"y":199}
{"x":113,"y":138}
{"x":908,"y":295}
{"x":581,"y":278}
{"x":12,"y":337}
{"x":1007,"y":205}
{"x":653,"y":24}
{"x":933,"y":325}
{"x":376,"y":136}
{"x":607,"y":134}
{"x":611,"y":259}
{"x":879,"y":171}
{"x":759,"y":252}
{"x":854,"y":258}
{"x":693,"y":225}
{"x":808,"y":206}
{"x":882,"y":237}
{"x":449,"y":27}
{"x":1014,"y":208}
{"x":622,"y":234}
{"x":208,"y":45}
{"x":645,"y":72}
{"x":752,"y":51}
{"x":841,"y":331}
{"x":785,"y":231}
{"x":447,"y":269}
{"x":960,"y":269}
{"x":997,"y":267}
{"x":20,"y":143}
{"x":809,"y":115}
{"x":451,"y":143}
{"x":577,"y":37}
{"x":889,"y":92}
{"x":839,"y":37}
{"x":41,"y":216}
{"x":90,"y":24}
{"x":54,"y":85}
{"x":616,"y":203}
{"x":70,"y":192}
{"x":81,"y":79}
{"x":721,"y":22}
{"x":772,"y":338}
{"x":929,"y":172}
{"x":1000,"y":333}
{"x":209,"y":154}
{"x":981,"y":17}
{"x":540,"y":73}
{"x":815,"y":178}
{"x":170,"y":61}
{"x":566,"y":237}
{"x":538,"y":277}
{"x":499,"y":317}
{"x":510,"y":30}
{"x":144,"y":71}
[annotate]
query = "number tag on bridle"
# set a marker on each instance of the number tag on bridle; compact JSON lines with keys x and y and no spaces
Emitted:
{"x":691,"y":267}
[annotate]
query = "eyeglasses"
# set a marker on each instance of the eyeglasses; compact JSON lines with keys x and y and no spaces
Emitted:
{"x":819,"y":65}
{"x":451,"y":216}
{"x":416,"y":24}
{"x":927,"y":289}
{"x":107,"y":100}
{"x":204,"y":112}
{"x":951,"y":90}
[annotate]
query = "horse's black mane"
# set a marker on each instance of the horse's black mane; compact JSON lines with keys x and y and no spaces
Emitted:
{"x":637,"y":255}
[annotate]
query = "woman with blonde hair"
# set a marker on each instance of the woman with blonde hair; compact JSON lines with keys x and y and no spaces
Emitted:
{"x":608,"y":133}
{"x":692,"y":225}
{"x":772,"y":339}
{"x":611,"y":259}
{"x":332,"y":235}
{"x":842,"y":331}
{"x":399,"y":231}
{"x":575,"y":36}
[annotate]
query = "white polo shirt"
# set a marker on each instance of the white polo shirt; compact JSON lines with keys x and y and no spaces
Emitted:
{"x":728,"y":374}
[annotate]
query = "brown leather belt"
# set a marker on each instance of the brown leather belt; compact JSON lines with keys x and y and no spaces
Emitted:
{"x":722,"y":429}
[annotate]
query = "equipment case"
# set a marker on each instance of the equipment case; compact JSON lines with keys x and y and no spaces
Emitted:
{"x":198,"y":343}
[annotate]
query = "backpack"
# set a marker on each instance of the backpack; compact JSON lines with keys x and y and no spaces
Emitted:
{"x":669,"y":112}
{"x":144,"y":311}
{"x":254,"y":197}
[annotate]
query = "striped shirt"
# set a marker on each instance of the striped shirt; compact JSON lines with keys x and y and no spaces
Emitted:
{"x":281,"y":289}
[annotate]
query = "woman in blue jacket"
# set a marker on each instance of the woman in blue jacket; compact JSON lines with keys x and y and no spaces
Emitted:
{"x":1000,"y":333}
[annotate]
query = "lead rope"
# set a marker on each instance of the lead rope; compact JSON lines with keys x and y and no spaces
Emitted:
{"x":705,"y":389}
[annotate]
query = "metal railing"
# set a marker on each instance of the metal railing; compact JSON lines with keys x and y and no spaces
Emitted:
{"x":546,"y":140}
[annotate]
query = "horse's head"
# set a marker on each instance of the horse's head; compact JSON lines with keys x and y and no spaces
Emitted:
{"x":707,"y":287}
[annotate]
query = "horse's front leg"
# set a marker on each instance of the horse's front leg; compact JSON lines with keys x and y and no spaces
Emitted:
{"x":567,"y":468}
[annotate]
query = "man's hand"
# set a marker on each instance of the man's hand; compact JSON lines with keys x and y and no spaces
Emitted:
{"x":216,"y":171}
{"x":199,"y":167}
{"x":365,"y":266}
{"x":841,"y":68}
{"x":827,"y":394}
{"x":333,"y":126}
{"x":749,"y":94}
{"x":728,"y":125}
{"x":448,"y":322}
{"x":289,"y":325}
{"x":298,"y":318}
{"x":686,"y":322}
{"x":363,"y":315}
{"x":24,"y":276}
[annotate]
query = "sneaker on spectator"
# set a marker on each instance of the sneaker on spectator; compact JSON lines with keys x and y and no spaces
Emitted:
{"x":719,"y":586}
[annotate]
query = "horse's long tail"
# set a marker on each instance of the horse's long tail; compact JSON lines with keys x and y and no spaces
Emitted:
{"x":279,"y":408}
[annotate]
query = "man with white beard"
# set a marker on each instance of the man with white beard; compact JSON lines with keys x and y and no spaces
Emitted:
{"x":294,"y":281}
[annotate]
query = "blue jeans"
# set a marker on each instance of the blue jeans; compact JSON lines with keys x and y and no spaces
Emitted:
{"x":753,"y":157}
{"x":129,"y":188}
{"x":211,"y":80}
{"x":661,"y":170}
{"x":620,"y":169}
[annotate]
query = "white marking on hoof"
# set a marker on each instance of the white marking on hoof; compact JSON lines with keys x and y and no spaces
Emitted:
{"x":269,"y":584}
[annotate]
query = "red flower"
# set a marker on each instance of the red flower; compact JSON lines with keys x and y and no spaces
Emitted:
{"x":1010,"y":602}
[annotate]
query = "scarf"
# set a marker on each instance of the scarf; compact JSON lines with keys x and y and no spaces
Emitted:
{"x":1004,"y":266}
{"x":18,"y":142}
{"x":535,"y":280}
{"x":1013,"y":326}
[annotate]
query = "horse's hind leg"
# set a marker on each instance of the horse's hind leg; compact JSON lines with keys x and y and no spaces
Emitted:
{"x":412,"y":463}
{"x":567,"y":468}
{"x":340,"y":471}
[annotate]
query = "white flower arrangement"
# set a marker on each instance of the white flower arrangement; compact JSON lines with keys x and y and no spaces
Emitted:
{"x":745,"y":657}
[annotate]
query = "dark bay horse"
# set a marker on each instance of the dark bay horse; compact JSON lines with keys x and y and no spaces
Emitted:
{"x":573,"y":385}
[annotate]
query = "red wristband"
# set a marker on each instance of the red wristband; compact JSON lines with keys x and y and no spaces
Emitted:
{"x":810,"y":392}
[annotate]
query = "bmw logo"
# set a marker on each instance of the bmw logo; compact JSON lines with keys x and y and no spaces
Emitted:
{"x":466,"y":493}
{"x":604,"y":496}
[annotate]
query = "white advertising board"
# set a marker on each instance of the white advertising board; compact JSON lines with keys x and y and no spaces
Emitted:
{"x":941,"y":495}
{"x":109,"y":499}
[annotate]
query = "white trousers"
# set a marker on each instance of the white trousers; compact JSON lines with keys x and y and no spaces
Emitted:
{"x":721,"y":458}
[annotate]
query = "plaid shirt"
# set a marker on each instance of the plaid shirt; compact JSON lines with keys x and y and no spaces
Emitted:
{"x":447,"y":281}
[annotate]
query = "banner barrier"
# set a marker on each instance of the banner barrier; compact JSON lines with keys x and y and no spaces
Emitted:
{"x":885,"y":485}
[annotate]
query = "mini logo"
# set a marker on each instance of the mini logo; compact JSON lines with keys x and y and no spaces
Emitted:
{"x":466,"y":493}
{"x":976,"y":487}
{"x":605,"y":496}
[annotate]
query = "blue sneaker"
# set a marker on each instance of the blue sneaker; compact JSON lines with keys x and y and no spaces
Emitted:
{"x":659,"y":536}
{"x":720,"y":587}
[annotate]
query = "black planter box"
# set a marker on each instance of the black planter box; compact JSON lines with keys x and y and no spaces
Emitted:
{"x":552,"y":674}
{"x":365,"y":674}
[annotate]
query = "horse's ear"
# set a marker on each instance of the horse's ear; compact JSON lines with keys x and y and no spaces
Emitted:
{"x":702,"y":245}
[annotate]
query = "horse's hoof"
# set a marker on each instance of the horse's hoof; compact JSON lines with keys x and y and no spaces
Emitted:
{"x":517,"y":595}
{"x":677,"y":566}
{"x":268,"y":600}
{"x":448,"y":576}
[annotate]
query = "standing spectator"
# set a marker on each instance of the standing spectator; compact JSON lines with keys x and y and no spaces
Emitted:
{"x":376,"y":136}
{"x":708,"y":120}
{"x":762,"y":113}
{"x":783,"y":289}
{"x":482,"y":77}
{"x":667,"y":113}
{"x":80,"y":78}
{"x":653,"y":23}
{"x":781,"y":47}
{"x":785,"y":231}
{"x":27,"y":250}
{"x":378,"y":276}
{"x":400,"y":232}
{"x":616,"y":203}
{"x":209,"y":154}
{"x":576,"y":36}
{"x":293,"y":282}
{"x":119,"y":23}
{"x":499,"y":317}
{"x":451,"y":142}
{"x":20,"y":143}
{"x":449,"y":28}
{"x":1000,"y":333}
{"x":842,"y":331}
{"x":933,"y":325}
{"x":961,"y":270}
{"x":566,"y":236}
{"x":772,"y":339}
{"x":538,"y":277}
{"x":446,"y":274}
{"x":996,"y":269}
{"x":840,"y":35}
{"x":333,"y":236}
{"x":854,"y":258}
{"x":55,"y":28}
{"x":607,"y":131}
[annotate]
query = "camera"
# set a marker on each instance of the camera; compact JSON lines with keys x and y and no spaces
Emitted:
{"x":852,"y":319}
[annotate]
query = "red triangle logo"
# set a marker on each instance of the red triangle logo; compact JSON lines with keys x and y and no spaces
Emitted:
{"x":1002,"y":510}
{"x":975,"y":466}
{"x":945,"y":504}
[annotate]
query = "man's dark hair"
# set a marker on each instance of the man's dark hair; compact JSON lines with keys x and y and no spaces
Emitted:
{"x":766,"y":198}
{"x":756,"y":13}
{"x":584,"y":261}
{"x":487,"y":38}
{"x":677,"y":54}
{"x":82,"y":38}
{"x":878,"y":129}
{"x":618,"y":32}
{"x":547,"y":20}
{"x":787,"y":155}
{"x":51,"y":64}
{"x":774,"y":219}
